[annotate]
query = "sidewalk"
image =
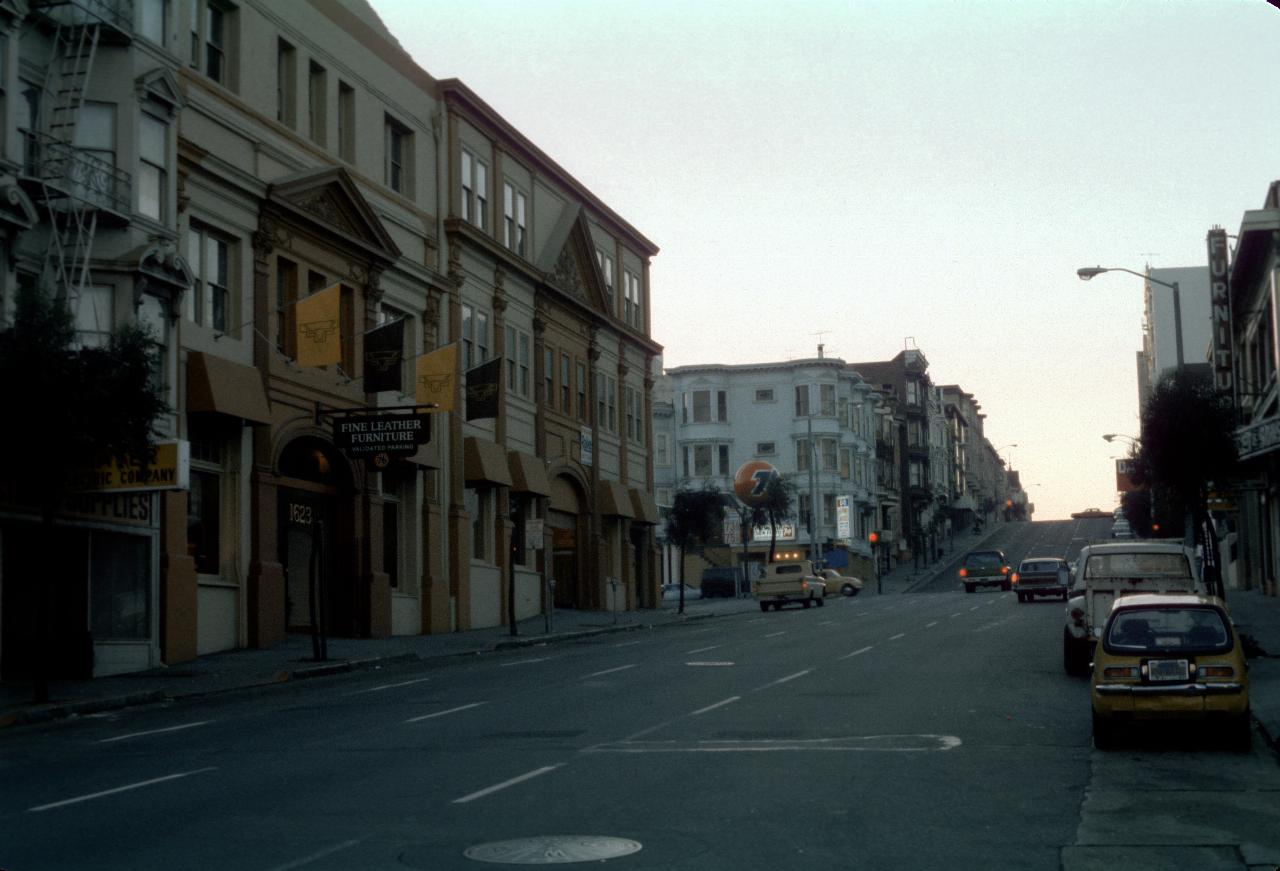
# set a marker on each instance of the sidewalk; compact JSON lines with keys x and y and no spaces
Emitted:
{"x":1257,"y":618}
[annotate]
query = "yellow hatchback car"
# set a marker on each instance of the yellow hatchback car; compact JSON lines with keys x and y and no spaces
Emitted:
{"x":1170,"y":657}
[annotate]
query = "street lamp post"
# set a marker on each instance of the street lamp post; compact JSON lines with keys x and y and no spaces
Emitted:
{"x":1088,"y":272}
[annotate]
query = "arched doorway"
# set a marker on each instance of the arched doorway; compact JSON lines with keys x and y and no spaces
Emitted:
{"x":314,"y":518}
{"x":566,"y":516}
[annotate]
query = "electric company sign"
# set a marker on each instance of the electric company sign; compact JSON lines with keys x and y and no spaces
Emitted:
{"x":1220,"y":299}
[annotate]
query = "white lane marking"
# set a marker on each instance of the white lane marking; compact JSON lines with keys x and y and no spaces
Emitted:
{"x":856,"y":653}
{"x":627,"y":644}
{"x":776,"y":634}
{"x":390,"y":686}
{"x":931,"y":625}
{"x":957,"y":614}
{"x":702,"y":649}
{"x":852,"y":743}
{"x":789,"y":677}
{"x":118,"y":789}
{"x":899,"y":635}
{"x":498,"y":787}
{"x":698,"y":664}
{"x":155,"y":732}
{"x":610,"y":670}
{"x":827,"y":623}
{"x":975,"y":607}
{"x":443,"y":713}
{"x":526,"y":661}
{"x":721,"y":704}
{"x":315,"y":857}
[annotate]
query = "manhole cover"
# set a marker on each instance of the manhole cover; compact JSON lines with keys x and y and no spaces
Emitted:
{"x":553,"y":850}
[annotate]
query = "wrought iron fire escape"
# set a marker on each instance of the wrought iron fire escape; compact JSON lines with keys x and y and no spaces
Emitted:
{"x":74,"y":184}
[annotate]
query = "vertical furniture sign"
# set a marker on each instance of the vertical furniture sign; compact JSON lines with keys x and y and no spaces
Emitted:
{"x":1220,"y":299}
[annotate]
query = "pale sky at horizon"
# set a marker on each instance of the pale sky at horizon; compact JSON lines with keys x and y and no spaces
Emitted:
{"x":888,"y":172}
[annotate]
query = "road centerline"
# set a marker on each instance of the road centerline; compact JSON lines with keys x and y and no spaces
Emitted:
{"x":155,"y":731}
{"x":119,"y":789}
{"x":498,"y":787}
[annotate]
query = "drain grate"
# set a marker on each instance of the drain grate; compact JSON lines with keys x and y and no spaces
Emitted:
{"x":553,"y":850}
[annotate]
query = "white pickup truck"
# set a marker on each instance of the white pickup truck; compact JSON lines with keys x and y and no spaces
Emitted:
{"x":791,"y":581}
{"x":1104,"y":572}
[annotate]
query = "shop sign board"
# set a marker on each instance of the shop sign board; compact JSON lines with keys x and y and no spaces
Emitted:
{"x":367,"y":435}
{"x":585,"y":446}
{"x":169,"y":469}
{"x":1258,"y":439}
{"x":1124,"y":476}
{"x":843,"y":525}
{"x":534,"y":531}
{"x":786,"y":532}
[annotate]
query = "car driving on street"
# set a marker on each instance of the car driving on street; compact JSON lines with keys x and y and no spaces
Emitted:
{"x":1041,"y":576}
{"x":985,"y":568}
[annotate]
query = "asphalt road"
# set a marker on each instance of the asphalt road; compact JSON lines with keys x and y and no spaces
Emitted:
{"x":934,"y":729}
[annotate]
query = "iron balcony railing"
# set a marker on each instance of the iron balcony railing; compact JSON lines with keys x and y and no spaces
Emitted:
{"x":117,"y":13}
{"x":76,"y":173}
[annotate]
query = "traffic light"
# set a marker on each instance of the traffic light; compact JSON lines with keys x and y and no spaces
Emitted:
{"x":873,"y":537}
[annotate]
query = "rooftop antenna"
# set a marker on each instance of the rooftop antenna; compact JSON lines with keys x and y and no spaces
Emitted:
{"x":820,"y":334}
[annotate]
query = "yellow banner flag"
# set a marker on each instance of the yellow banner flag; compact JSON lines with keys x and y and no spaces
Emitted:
{"x":319,"y":338}
{"x":437,"y":377}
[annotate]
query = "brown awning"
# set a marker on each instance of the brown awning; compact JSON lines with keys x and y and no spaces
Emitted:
{"x":614,"y":500}
{"x":645,"y":506}
{"x":484,"y":461}
{"x":427,"y":456}
{"x":218,"y":385}
{"x":528,"y":474}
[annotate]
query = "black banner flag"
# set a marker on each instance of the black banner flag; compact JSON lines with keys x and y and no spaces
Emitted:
{"x":383,"y":356}
{"x":484,"y":383}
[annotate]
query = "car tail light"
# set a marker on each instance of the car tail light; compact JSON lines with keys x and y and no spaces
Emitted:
{"x":1077,"y":614}
{"x":964,"y":573}
{"x":1216,"y":671}
{"x":1123,"y":672}
{"x":1004,"y":570}
{"x":1015,"y":577}
{"x":804,"y":585}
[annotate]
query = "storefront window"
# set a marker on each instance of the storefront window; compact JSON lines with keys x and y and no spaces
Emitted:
{"x":202,"y":521}
{"x":120,"y":586}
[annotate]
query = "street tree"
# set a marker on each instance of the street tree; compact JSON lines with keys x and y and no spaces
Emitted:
{"x":695,"y":518}
{"x":779,"y":497}
{"x":75,"y":407}
{"x":1187,"y":442}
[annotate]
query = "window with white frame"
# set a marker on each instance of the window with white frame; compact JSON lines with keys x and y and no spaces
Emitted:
{"x":581,"y":384}
{"x":766,"y":449}
{"x":828,"y":451}
{"x":802,"y":400}
{"x":605,"y":263}
{"x":475,"y":190}
{"x":827,"y":400}
{"x":152,"y":18}
{"x":211,"y":26}
{"x":702,"y":455}
{"x":398,"y":172}
{"x":662,"y":449}
{"x":913,"y":392}
{"x":209,"y":300}
{"x":696,"y":406}
{"x":317,"y":103}
{"x":663,"y":497}
{"x":828,"y":508}
{"x":475,"y":337}
{"x":95,"y":316}
{"x":513,"y":222}
{"x":517,"y":359}
{"x":633,"y":306}
{"x":346,"y":122}
{"x":153,"y":160}
{"x":153,"y":315}
{"x":802,"y":455}
{"x":722,"y":460}
{"x":764,"y":394}
{"x":286,"y":83}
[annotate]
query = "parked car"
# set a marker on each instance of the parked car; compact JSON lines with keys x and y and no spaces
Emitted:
{"x":1089,"y":513}
{"x":1041,"y":576}
{"x":985,"y":568}
{"x":1170,"y":658}
{"x":838,"y":584}
{"x":721,"y":581}
{"x":1105,"y":572}
{"x":671,"y":593}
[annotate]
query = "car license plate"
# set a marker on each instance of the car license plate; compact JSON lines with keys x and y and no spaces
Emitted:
{"x":1167,"y":669}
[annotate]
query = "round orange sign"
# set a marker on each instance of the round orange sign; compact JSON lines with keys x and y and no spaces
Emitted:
{"x":752,"y":479}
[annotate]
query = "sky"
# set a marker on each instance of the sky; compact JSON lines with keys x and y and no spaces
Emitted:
{"x":884,"y":175}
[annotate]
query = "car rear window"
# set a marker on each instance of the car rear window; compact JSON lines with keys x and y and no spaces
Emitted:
{"x":1137,"y":565}
{"x":788,"y":570}
{"x":985,"y":560}
{"x":1040,"y":566}
{"x":1168,"y":630}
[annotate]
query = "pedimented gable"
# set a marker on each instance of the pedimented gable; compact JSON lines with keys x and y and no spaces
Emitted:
{"x":328,"y":197}
{"x":161,"y":85}
{"x":569,"y":264}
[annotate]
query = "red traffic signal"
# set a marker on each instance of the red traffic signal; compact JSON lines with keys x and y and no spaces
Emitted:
{"x":873,"y":537}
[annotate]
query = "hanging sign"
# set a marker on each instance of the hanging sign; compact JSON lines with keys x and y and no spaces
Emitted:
{"x":396,"y":435}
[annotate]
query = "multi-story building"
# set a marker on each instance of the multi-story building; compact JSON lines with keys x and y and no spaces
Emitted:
{"x":906,"y":377}
{"x":1251,"y":365}
{"x":204,"y":167}
{"x":965,"y":424}
{"x":814,"y":420}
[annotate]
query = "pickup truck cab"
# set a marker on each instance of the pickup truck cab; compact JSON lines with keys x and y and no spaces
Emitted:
{"x":1105,"y":572}
{"x":789,"y":581}
{"x":985,"y":568}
